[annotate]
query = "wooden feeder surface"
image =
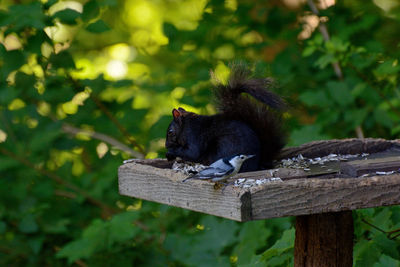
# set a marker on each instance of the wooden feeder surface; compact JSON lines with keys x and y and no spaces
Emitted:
{"x":340,"y":187}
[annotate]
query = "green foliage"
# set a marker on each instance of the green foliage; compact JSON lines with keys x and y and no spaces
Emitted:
{"x":101,"y":236}
{"x":86,"y":84}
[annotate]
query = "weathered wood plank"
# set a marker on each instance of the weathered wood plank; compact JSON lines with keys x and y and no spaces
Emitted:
{"x":165,"y":186}
{"x":312,"y":196}
{"x":359,"y":167}
{"x":291,"y":197}
{"x":339,"y":146}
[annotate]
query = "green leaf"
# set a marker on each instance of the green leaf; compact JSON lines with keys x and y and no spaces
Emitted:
{"x":306,"y":134}
{"x":362,"y":61}
{"x":381,"y":117}
{"x":336,"y":45}
{"x":157,"y":130}
{"x":90,"y":10}
{"x":8,"y":163}
{"x":122,"y":83}
{"x":340,"y":93}
{"x":57,"y":227}
{"x":308,"y":51}
{"x":217,"y":233}
{"x":36,"y":244}
{"x":24,"y":81}
{"x":386,"y":261}
{"x":67,"y":16}
{"x":35,"y":42}
{"x":395,"y":130}
{"x":255,"y":261}
{"x":101,"y":235}
{"x":365,"y":253}
{"x":204,"y":248}
{"x":387,"y":246}
{"x":75,"y":250}
{"x":121,"y":227}
{"x":284,"y":244}
{"x":355,"y":116}
{"x":252,"y":236}
{"x":49,"y":3}
{"x":382,"y":219}
{"x":28,"y":224}
{"x":387,"y":67}
{"x":324,"y":60}
{"x":13,"y":60}
{"x":97,"y":85}
{"x":3,"y":227}
{"x":25,"y":16}
{"x":62,"y":60}
{"x":108,"y":3}
{"x":45,"y":137}
{"x":98,"y":27}
{"x":359,"y":90}
{"x":315,"y":98}
{"x":7,"y":94}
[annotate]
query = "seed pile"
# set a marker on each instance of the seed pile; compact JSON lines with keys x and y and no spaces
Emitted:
{"x":129,"y":161}
{"x":301,"y":162}
{"x":247,"y":183}
{"x":188,"y":167}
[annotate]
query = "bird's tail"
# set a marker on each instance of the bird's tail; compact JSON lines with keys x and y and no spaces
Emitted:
{"x":188,"y":178}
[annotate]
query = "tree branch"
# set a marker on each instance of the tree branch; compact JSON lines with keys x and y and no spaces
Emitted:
{"x":114,"y":120}
{"x":325,"y":34}
{"x":102,"y":137}
{"x":336,"y":67}
{"x":121,"y":128}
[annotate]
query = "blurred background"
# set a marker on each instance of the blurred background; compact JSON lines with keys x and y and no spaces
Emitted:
{"x":87,"y":84}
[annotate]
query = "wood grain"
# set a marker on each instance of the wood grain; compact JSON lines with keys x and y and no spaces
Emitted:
{"x":292,"y":197}
{"x":339,"y":146}
{"x":312,"y":196}
{"x":324,"y":240}
{"x":359,"y":167}
{"x":165,"y":186}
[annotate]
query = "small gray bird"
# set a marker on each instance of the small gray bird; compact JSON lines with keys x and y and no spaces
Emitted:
{"x":222,"y":169}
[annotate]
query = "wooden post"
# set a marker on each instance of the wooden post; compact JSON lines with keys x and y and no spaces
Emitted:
{"x":324,"y":240}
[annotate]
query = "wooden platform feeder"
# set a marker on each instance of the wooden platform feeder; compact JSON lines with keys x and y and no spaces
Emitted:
{"x":321,"y":195}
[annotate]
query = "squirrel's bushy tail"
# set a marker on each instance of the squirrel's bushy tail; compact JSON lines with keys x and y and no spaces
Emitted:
{"x":263,"y":116}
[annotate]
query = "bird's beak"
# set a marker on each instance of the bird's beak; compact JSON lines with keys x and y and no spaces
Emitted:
{"x":250,"y":156}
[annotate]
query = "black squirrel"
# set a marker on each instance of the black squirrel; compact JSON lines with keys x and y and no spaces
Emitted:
{"x":242,"y":126}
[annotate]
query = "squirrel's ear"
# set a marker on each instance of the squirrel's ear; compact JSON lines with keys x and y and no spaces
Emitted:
{"x":181,"y":109}
{"x":176,"y":113}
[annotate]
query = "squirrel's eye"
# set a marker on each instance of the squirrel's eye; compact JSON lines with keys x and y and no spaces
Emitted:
{"x":170,"y":131}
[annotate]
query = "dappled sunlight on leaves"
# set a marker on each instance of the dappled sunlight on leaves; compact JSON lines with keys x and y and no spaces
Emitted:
{"x":185,"y":15}
{"x":16,"y":104}
{"x":221,"y":73}
{"x":3,"y":136}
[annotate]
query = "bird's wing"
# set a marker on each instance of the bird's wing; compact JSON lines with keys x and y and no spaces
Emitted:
{"x":220,"y":164}
{"x":209,"y":172}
